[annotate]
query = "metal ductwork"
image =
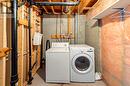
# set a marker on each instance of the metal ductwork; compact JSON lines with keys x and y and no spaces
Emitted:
{"x":56,"y":3}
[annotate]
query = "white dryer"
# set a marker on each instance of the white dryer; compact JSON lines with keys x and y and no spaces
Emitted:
{"x":57,"y":63}
{"x":82,"y":63}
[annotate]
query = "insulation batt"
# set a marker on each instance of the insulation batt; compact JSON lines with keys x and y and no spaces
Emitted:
{"x":115,"y":50}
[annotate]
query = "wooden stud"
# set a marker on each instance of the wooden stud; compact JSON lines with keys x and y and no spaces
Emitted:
{"x":4,"y":45}
{"x":33,"y":30}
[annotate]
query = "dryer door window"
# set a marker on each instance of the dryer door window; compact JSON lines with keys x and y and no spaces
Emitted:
{"x":82,"y":63}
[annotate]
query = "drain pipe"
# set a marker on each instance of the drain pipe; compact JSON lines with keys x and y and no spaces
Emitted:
{"x":41,"y":45}
{"x":30,"y":50}
{"x":14,"y":55}
{"x":56,"y":3}
{"x":76,"y":28}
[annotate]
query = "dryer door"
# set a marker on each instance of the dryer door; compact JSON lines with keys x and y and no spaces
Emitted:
{"x":82,"y":63}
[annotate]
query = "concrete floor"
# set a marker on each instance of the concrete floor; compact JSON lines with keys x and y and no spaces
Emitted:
{"x":39,"y":81}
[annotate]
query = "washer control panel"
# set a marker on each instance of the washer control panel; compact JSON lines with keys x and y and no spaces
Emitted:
{"x":60,"y":44}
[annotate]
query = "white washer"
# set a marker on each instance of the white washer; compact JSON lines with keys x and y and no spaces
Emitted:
{"x":82,"y":63}
{"x":57,"y":63}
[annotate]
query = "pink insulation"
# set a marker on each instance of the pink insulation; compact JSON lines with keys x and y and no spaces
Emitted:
{"x":115,"y":50}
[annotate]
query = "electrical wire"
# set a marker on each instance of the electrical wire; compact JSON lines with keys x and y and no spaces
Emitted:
{"x":56,"y":27}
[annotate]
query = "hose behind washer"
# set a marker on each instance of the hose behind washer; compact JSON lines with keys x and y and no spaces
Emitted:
{"x":48,"y":45}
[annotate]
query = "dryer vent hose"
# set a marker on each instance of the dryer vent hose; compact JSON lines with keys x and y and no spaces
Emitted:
{"x":48,"y":45}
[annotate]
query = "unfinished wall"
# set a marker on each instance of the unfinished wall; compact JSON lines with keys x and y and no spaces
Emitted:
{"x":5,"y":39}
{"x":92,"y":38}
{"x":23,"y":44}
{"x":115,"y":48}
{"x":50,"y":27}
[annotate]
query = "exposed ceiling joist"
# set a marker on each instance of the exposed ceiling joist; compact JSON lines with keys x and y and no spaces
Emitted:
{"x":82,"y":8}
{"x":83,"y":4}
{"x":45,"y":9}
{"x":53,"y":8}
{"x":62,"y":8}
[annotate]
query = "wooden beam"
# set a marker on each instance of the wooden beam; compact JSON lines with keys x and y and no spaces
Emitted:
{"x":83,"y":4}
{"x":45,"y":9}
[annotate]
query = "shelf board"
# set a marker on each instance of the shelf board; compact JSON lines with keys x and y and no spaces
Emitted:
{"x":110,"y":9}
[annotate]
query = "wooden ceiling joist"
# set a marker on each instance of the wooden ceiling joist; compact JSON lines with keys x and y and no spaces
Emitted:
{"x":53,"y":8}
{"x":83,"y":4}
{"x":62,"y":8}
{"x":80,"y":9}
{"x":45,"y":10}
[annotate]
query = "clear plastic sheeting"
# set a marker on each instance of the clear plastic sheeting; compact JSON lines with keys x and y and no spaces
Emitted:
{"x":126,"y":72}
{"x":115,"y":50}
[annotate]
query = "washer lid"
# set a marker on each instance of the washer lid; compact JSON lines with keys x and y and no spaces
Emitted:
{"x":82,"y":63}
{"x":60,"y":50}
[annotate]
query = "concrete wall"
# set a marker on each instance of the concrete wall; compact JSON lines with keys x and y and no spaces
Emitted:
{"x":50,"y":26}
{"x":115,"y":50}
{"x":92,"y":37}
{"x":81,"y":29}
